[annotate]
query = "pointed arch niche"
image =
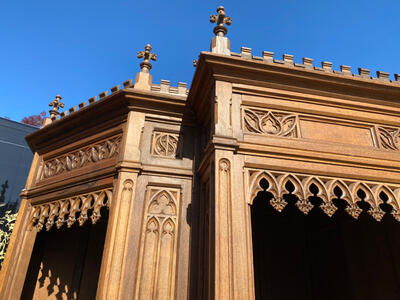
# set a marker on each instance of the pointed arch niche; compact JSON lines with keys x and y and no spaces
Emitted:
{"x":317,"y":237}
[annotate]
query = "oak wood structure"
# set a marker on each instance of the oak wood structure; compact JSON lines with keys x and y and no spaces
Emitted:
{"x":173,"y":176}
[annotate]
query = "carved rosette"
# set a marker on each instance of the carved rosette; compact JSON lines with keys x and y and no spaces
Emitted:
{"x":77,"y":159}
{"x":327,"y":189}
{"x":165,"y":144}
{"x":158,"y":246}
{"x":48,"y":214}
{"x":329,"y":208}
{"x":270,"y":123}
{"x":353,"y":210}
{"x":279,"y":204}
{"x":304,"y":205}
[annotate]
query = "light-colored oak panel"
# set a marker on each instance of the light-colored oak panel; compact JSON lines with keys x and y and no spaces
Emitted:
{"x":337,"y":133}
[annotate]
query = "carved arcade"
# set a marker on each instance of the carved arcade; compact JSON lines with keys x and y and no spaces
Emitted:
{"x":67,"y":210}
{"x":327,"y":189}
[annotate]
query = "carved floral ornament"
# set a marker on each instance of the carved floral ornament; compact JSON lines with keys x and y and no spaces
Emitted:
{"x":70,"y":210}
{"x":389,"y":137}
{"x":271,"y":123}
{"x":327,"y":189}
{"x":102,"y":150}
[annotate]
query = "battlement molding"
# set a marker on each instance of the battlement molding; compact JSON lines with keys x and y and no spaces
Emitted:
{"x":261,"y":72}
{"x":285,"y":77}
{"x":288,"y":59}
{"x":110,"y":110}
{"x":164,"y":88}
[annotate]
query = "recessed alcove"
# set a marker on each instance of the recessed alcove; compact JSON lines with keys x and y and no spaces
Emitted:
{"x":65,"y":262}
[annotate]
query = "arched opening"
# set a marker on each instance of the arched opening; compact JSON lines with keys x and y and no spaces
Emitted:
{"x":312,"y":256}
{"x":65,"y":262}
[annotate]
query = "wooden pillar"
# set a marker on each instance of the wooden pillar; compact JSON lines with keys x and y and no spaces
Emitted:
{"x":115,"y":256}
{"x":229,"y":239}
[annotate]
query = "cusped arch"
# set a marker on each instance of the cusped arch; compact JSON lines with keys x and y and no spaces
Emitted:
{"x":168,"y":227}
{"x":369,"y":194}
{"x":322,"y":190}
{"x":298,"y":186}
{"x":391,"y":198}
{"x":344,"y":188}
{"x":152,"y":225}
{"x":327,"y":205}
{"x":255,"y":187}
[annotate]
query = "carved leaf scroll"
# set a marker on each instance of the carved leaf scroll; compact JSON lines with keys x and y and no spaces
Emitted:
{"x":271,"y":123}
{"x":351,"y":191}
{"x":165,"y":144}
{"x":389,"y":137}
{"x":102,"y":150}
{"x":55,"y":212}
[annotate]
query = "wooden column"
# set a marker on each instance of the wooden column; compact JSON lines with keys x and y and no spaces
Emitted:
{"x":229,"y":239}
{"x":115,"y":256}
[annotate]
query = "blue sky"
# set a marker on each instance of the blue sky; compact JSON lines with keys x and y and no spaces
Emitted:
{"x":81,"y":48}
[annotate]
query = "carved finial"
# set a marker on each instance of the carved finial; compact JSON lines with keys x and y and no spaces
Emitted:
{"x":145,"y":65}
{"x":56,"y":105}
{"x":221,"y":19}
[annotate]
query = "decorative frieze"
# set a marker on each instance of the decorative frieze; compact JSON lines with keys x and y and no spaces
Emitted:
{"x":327,"y":189}
{"x":389,"y":137}
{"x":156,"y":278}
{"x":102,"y":150}
{"x":271,"y":123}
{"x":72,"y":209}
{"x":165,"y":144}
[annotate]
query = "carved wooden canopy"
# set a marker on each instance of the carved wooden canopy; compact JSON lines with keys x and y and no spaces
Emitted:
{"x":353,"y":192}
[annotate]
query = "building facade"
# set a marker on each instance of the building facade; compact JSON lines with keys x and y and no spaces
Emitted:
{"x":268,"y":179}
{"x":15,"y":161}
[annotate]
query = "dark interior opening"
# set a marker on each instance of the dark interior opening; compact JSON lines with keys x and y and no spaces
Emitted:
{"x":314,"y":257}
{"x":65,"y":262}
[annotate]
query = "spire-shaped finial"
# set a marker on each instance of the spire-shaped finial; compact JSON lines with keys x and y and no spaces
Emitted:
{"x":56,"y":104}
{"x":145,"y":65}
{"x":221,"y":19}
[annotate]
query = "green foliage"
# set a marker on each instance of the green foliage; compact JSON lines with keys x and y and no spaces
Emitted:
{"x":7,"y":223}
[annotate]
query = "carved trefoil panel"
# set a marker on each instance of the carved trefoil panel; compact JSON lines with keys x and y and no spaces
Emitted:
{"x":389,"y":137}
{"x":69,"y":210}
{"x":104,"y":149}
{"x":166,"y":144}
{"x":157,"y":261}
{"x":328,"y":190}
{"x":270,"y":122}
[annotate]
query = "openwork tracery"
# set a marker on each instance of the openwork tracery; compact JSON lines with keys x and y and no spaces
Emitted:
{"x":91,"y":154}
{"x":70,"y":210}
{"x":353,"y":192}
{"x":270,"y":123}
